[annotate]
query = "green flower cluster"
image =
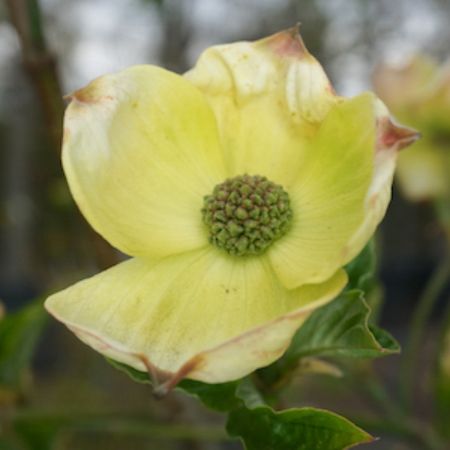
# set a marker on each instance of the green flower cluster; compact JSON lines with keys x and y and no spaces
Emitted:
{"x":245,"y":214}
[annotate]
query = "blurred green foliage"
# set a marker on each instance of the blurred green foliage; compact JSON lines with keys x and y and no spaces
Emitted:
{"x":19,"y":336}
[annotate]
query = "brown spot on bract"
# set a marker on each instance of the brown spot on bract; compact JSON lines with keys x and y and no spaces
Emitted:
{"x":66,"y":133}
{"x":373,"y":200}
{"x":330,"y":89}
{"x":83,"y":95}
{"x":169,"y":384}
{"x":92,"y":93}
{"x":393,"y":136}
{"x":288,"y":43}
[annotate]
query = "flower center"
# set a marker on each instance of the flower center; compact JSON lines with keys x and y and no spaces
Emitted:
{"x":245,"y":214}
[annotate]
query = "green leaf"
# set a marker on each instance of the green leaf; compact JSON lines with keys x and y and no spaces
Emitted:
{"x":135,"y":375}
{"x":19,"y":333}
{"x":385,"y":340}
{"x":248,"y":394}
{"x":220,"y":397}
{"x":340,"y":328}
{"x":262,"y":428}
{"x":362,"y":275}
{"x":361,"y":270}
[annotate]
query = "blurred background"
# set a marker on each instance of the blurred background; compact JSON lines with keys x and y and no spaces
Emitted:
{"x":50,"y":48}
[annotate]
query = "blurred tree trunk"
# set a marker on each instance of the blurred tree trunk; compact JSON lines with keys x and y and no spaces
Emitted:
{"x":62,"y":238}
{"x":40,"y":64}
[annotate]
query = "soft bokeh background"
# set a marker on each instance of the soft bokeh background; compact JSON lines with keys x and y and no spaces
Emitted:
{"x":45,"y":243}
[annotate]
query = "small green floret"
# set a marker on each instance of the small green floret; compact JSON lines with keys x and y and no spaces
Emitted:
{"x":245,"y":214}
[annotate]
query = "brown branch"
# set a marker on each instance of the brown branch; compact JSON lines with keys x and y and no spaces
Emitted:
{"x":40,"y":65}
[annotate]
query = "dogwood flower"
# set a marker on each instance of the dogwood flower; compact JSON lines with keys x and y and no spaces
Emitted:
{"x":239,"y":189}
{"x":419,"y":92}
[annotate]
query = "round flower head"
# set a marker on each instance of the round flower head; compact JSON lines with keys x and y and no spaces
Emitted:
{"x":419,"y":92}
{"x":240,"y":190}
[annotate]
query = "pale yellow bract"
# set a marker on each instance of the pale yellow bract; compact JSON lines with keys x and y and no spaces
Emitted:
{"x":144,"y":146}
